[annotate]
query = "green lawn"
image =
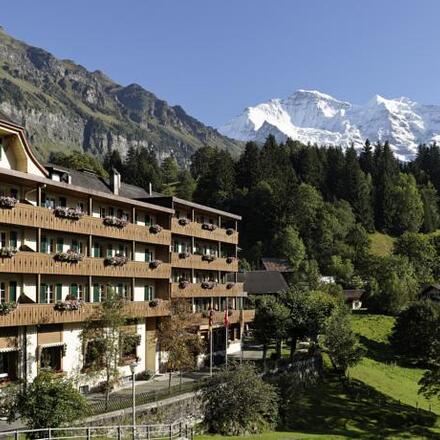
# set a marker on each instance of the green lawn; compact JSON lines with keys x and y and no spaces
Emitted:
{"x":381,"y":402}
{"x":381,"y":244}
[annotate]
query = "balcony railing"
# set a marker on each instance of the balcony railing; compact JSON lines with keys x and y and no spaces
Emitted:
{"x":31,"y":262}
{"x":195,"y":229}
{"x":34,"y":314}
{"x":196,"y":262}
{"x":195,"y":290}
{"x":38,"y":217}
{"x":234,"y":317}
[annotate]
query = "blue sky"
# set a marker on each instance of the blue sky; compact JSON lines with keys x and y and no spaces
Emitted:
{"x":215,"y":57}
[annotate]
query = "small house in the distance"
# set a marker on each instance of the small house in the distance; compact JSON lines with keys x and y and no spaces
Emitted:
{"x":263,"y":282}
{"x":353,"y":297}
{"x":430,"y":291}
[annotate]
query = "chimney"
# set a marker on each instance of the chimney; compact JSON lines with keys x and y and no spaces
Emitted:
{"x":115,"y":181}
{"x":150,"y":189}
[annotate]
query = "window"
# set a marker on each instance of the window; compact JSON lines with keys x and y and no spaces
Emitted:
{"x":148,"y":220}
{"x":13,"y":241}
{"x":51,"y":358}
{"x":44,"y":248}
{"x":110,"y":250}
{"x":74,"y":291}
{"x":43,"y":294}
{"x":13,"y":291}
{"x":60,"y":245}
{"x":2,"y":292}
{"x":80,"y":206}
{"x":102,"y":212}
{"x":148,"y":255}
{"x":63,"y":202}
{"x":98,"y":292}
{"x":96,"y":250}
{"x":3,"y":239}
{"x":148,"y":293}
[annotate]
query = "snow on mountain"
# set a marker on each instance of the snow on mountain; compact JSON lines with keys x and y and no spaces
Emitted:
{"x":312,"y":116}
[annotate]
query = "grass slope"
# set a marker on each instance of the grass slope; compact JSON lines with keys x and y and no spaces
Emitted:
{"x":381,"y":244}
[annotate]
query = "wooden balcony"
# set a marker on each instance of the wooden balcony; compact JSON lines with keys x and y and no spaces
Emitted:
{"x":33,"y":314}
{"x":32,"y":262}
{"x":234,"y":317}
{"x":195,"y":229}
{"x":196,"y":262}
{"x":194,"y":290}
{"x":37,"y":217}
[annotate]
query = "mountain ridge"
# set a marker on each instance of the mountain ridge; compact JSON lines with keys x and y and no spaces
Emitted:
{"x":64,"y":106}
{"x":311,"y":116}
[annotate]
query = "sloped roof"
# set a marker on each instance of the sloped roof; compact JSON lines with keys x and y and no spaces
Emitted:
{"x":261,"y":282}
{"x":353,"y":294}
{"x":277,"y":264}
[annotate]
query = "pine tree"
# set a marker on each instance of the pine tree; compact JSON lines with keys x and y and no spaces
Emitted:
{"x":248,"y":167}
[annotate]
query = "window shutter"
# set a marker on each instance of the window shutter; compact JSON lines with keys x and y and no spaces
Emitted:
{"x":96,"y":293}
{"x":74,"y":290}
{"x":60,"y":245}
{"x":44,"y":245}
{"x":43,"y":294}
{"x":13,"y":291}
{"x":59,"y":291}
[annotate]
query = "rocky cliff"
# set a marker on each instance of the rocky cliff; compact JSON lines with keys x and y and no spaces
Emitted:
{"x":64,"y":106}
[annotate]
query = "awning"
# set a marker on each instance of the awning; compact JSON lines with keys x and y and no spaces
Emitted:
{"x":52,"y":344}
{"x":8,"y":349}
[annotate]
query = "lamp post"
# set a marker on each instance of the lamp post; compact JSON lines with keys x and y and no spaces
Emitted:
{"x":133,"y":387}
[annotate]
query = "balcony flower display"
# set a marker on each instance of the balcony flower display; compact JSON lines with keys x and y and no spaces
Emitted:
{"x":183,"y":283}
{"x":155,"y":229}
{"x":117,"y":260}
{"x":7,"y":307}
{"x":229,"y":231}
{"x":155,"y":264}
{"x":7,"y":252}
{"x":183,"y":255}
{"x":230,"y":260}
{"x":7,"y":202}
{"x":230,"y":285}
{"x":115,"y":222}
{"x":184,"y":221}
{"x":68,"y":305}
{"x":154,"y":302}
{"x":68,"y":213}
{"x":209,"y":226}
{"x":207,"y":284}
{"x":71,"y":256}
{"x":208,"y":258}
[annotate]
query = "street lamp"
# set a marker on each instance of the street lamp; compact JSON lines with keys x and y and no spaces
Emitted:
{"x":133,"y":382}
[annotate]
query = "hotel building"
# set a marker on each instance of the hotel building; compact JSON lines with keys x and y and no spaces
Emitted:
{"x":67,"y":236}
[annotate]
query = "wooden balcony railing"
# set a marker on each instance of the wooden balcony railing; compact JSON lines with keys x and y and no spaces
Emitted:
{"x":33,"y":314}
{"x":38,"y":217}
{"x":197,"y":262}
{"x":32,"y":262}
{"x":234,"y":317}
{"x":195,"y":229}
{"x":195,"y":290}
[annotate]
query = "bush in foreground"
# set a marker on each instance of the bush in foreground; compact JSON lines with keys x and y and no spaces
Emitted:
{"x":238,"y":401}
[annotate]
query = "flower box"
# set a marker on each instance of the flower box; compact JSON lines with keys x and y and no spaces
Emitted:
{"x":207,"y":285}
{"x":115,"y":222}
{"x":7,"y":307}
{"x":183,"y":284}
{"x":155,"y":264}
{"x":7,"y":202}
{"x":208,"y":258}
{"x":154,"y":302}
{"x":229,"y":231}
{"x":117,"y":260}
{"x":230,"y":260}
{"x":70,"y":256}
{"x":155,"y":229}
{"x":7,"y":252}
{"x":68,"y":213}
{"x":209,"y":226}
{"x":183,"y":255}
{"x":184,"y":221}
{"x":230,"y":285}
{"x":68,"y":305}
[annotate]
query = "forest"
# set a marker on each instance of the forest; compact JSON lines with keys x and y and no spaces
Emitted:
{"x":316,"y":206}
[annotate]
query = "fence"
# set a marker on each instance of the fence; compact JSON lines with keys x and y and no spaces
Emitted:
{"x":178,"y":430}
{"x":118,"y":402}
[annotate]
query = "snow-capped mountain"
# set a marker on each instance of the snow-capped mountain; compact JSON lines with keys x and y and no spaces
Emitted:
{"x":312,"y":116}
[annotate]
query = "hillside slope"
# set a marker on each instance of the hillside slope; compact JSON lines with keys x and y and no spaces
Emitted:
{"x":64,"y":106}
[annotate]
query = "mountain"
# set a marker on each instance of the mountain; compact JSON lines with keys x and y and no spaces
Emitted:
{"x":312,"y":116}
{"x":64,"y":106}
